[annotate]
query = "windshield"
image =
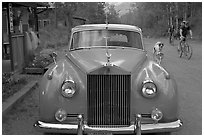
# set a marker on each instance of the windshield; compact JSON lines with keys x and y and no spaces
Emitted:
{"x":99,"y":38}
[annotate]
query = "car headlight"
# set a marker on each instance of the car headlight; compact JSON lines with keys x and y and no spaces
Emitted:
{"x":68,"y":88}
{"x":149,"y":89}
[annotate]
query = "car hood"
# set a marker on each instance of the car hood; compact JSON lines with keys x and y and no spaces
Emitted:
{"x":125,"y":58}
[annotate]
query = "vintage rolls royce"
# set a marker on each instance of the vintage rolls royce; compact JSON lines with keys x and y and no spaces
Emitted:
{"x":106,"y":84}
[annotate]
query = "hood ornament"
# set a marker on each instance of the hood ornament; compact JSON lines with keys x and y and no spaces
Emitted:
{"x":108,"y":55}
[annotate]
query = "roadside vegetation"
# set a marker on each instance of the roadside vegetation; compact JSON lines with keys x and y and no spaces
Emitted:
{"x":155,"y":17}
{"x":12,"y":83}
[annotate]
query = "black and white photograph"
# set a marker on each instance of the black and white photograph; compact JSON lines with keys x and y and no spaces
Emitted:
{"x":102,"y":68}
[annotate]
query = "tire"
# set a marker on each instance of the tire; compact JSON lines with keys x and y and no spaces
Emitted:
{"x":189,"y":51}
{"x":181,"y":50}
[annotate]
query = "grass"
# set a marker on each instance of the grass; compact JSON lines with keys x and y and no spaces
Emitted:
{"x":10,"y":85}
{"x":13,"y":83}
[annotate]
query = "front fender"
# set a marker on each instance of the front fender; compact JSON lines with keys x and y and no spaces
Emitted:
{"x":50,"y":97}
{"x":166,"y":99}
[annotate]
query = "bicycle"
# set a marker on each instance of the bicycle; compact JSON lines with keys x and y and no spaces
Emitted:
{"x":185,"y":49}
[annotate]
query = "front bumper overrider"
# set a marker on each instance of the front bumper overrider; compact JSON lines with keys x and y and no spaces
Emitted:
{"x":136,"y":128}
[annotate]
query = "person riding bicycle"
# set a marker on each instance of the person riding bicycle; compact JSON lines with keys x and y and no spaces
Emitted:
{"x":184,"y":29}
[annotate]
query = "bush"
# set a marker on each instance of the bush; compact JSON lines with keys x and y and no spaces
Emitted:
{"x":52,"y":37}
{"x":41,"y":61}
{"x":11,"y":84}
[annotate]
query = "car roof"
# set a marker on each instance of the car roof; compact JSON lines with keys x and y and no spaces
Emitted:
{"x":103,"y":26}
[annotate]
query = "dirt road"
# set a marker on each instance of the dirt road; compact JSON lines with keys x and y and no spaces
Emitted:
{"x":188,"y":75}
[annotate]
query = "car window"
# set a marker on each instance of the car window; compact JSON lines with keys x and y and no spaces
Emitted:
{"x":94,"y":38}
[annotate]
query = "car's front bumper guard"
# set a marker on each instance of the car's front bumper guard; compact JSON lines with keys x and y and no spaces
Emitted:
{"x":136,"y":128}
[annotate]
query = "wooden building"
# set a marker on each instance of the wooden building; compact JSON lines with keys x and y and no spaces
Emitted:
{"x":17,"y":19}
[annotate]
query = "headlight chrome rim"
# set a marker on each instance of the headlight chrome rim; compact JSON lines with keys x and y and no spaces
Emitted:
{"x":149,"y":89}
{"x":68,"y":88}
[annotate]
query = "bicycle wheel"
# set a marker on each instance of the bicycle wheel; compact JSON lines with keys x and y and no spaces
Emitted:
{"x":180,"y":52}
{"x":188,"y":51}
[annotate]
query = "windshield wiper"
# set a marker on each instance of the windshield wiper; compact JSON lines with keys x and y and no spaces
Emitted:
{"x":80,"y":48}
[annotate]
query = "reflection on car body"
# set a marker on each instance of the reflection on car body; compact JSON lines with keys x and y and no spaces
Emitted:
{"x":106,"y":84}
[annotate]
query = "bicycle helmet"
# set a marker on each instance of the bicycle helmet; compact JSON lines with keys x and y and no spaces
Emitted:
{"x":185,"y":22}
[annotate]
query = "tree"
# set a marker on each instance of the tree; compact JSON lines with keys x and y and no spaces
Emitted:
{"x":155,"y":17}
{"x":112,"y":14}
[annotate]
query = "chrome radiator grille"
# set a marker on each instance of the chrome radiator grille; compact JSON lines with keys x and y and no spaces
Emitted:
{"x":108,"y":99}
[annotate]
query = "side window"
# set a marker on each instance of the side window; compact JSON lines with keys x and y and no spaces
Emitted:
{"x":138,"y":41}
{"x":74,"y":41}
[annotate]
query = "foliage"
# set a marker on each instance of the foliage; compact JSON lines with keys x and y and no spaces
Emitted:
{"x":93,"y":12}
{"x":41,"y":61}
{"x":6,"y":77}
{"x":55,"y":36}
{"x":155,"y":17}
{"x":11,"y":84}
{"x":112,"y":14}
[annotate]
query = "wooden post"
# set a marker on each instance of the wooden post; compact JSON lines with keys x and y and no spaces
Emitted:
{"x":36,"y":19}
{"x":10,"y":31}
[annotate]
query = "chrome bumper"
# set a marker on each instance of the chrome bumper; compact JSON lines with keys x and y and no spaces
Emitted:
{"x":82,"y":128}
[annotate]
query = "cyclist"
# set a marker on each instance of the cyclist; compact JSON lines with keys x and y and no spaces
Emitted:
{"x":184,"y":29}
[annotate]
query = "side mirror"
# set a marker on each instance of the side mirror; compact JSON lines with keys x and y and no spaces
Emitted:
{"x":54,"y":56}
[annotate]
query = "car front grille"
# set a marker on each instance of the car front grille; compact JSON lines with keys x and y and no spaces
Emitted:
{"x":108,"y":99}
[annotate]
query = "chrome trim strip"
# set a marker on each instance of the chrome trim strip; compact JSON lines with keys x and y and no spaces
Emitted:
{"x":41,"y":124}
{"x":145,"y":128}
{"x":88,"y":129}
{"x":162,"y":126}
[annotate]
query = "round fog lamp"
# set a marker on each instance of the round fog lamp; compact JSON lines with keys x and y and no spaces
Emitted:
{"x":61,"y":115}
{"x":156,"y":114}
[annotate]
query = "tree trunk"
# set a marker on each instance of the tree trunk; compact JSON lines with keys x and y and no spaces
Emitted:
{"x":176,"y":17}
{"x":171,"y":23}
{"x":167,"y":11}
{"x":55,"y":15}
{"x":186,"y":11}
